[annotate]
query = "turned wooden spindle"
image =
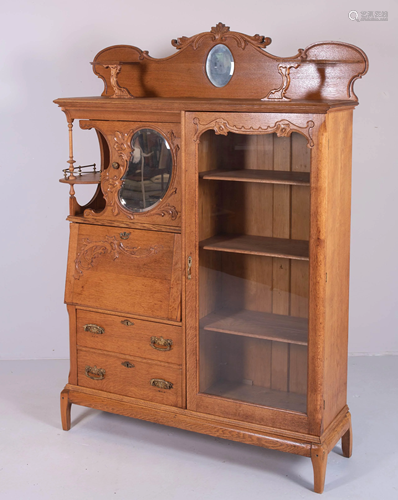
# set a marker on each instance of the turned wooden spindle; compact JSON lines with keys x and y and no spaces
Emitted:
{"x":71,"y":161}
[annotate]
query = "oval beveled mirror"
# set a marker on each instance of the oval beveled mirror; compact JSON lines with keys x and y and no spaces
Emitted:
{"x":220,"y":65}
{"x":148,"y":174}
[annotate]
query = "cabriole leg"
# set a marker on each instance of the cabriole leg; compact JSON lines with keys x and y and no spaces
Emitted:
{"x":319,"y":457}
{"x":65,"y":410}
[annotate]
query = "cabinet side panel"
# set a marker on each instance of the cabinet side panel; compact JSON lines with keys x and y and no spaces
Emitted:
{"x":339,"y":125}
{"x":317,"y":281}
{"x":72,"y":345}
{"x":73,"y":235}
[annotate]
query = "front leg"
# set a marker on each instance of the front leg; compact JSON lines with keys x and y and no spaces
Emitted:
{"x":346,"y":441}
{"x":319,"y":458}
{"x":65,"y":410}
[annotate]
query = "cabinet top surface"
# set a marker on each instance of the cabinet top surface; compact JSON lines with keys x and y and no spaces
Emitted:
{"x":157,"y":104}
{"x":226,"y":70}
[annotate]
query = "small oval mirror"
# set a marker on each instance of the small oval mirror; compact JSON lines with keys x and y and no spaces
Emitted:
{"x":148,"y":174}
{"x":220,"y":65}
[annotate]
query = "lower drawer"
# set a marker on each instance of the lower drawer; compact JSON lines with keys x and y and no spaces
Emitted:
{"x":145,"y":339}
{"x":128,"y":376}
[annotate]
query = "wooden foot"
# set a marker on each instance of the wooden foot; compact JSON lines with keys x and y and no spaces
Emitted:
{"x":319,"y":457}
{"x":346,"y":442}
{"x":65,"y":410}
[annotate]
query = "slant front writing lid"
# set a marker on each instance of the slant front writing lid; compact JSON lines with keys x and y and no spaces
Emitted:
{"x":149,"y":171}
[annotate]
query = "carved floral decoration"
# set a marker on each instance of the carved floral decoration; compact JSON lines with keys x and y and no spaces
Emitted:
{"x":90,"y":251}
{"x":221,"y":33}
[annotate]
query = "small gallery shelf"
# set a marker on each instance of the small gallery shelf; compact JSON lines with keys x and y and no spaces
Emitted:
{"x":258,"y":245}
{"x":256,"y":324}
{"x":259,"y":395}
{"x":259,"y":176}
{"x":88,"y":178}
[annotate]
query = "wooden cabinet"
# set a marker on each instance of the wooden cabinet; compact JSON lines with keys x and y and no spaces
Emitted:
{"x":207,"y":280}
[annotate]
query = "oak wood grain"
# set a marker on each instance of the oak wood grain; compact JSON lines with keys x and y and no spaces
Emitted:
{"x":258,"y":245}
{"x":337,"y":262}
{"x":259,"y":200}
{"x":127,"y":335}
{"x":257,"y":324}
{"x":65,"y":410}
{"x":131,"y":381}
{"x":261,"y":176}
{"x":125,"y":275}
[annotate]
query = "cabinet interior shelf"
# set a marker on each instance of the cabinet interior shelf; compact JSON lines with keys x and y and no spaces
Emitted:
{"x":260,"y":176}
{"x":261,"y":325}
{"x":88,"y":178}
{"x":259,"y":395}
{"x":258,"y":245}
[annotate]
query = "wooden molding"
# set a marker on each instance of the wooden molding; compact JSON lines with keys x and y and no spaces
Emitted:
{"x":282,"y":128}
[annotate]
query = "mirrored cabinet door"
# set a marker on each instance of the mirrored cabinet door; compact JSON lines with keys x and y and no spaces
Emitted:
{"x":254,"y":213}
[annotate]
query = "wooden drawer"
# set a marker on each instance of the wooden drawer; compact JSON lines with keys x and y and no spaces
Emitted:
{"x":128,"y":376}
{"x":125,"y":270}
{"x":125,"y":335}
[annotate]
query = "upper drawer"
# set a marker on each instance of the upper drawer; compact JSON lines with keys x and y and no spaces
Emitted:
{"x":145,"y":339}
{"x":131,"y":271}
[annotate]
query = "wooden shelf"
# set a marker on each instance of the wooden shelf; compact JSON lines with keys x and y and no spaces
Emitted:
{"x":259,"y":325}
{"x":260,"y":176}
{"x":259,"y":395}
{"x":258,"y":245}
{"x":89,"y":178}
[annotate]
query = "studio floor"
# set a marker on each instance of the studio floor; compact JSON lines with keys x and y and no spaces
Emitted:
{"x":107,"y":456}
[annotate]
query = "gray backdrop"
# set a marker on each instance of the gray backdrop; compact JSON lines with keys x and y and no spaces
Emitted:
{"x":45,"y":50}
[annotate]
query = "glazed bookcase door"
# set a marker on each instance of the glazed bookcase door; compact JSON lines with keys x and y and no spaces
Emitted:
{"x":248,"y":238}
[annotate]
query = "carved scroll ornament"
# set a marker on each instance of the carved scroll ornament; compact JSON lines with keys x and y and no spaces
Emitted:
{"x":282,"y":128}
{"x":279,"y":94}
{"x":90,"y":251}
{"x":119,"y":92}
{"x":221,"y":33}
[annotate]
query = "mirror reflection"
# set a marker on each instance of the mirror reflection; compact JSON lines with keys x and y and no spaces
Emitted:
{"x":220,"y":65}
{"x":148,"y":174}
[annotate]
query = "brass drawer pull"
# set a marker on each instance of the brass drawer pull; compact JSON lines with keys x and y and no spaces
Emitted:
{"x":127,"y":322}
{"x":127,"y":364}
{"x":124,"y":235}
{"x":115,"y":165}
{"x":161,"y":344}
{"x":95,"y":373}
{"x":94,"y":329}
{"x":161,"y":384}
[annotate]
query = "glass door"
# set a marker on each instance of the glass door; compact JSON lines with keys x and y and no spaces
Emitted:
{"x":253,"y":282}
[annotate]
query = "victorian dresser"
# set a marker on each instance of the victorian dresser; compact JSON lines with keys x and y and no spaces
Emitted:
{"x":207,"y":279}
